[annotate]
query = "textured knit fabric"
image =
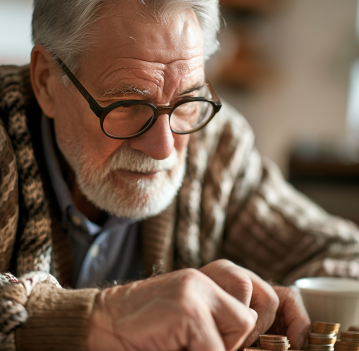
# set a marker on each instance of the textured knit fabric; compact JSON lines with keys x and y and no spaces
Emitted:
{"x":14,"y":297}
{"x":232,"y":204}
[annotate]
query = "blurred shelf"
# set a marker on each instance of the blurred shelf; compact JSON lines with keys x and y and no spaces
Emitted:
{"x":247,"y":65}
{"x":247,"y":68}
{"x":263,"y":6}
{"x":324,"y":173}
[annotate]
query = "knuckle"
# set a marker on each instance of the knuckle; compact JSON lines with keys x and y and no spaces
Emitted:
{"x":233,"y":270}
{"x":188,"y":279}
{"x":190,"y":275}
{"x":224,"y":262}
{"x":294,"y":293}
{"x":273,"y":299}
{"x":291,"y":294}
{"x":243,"y":283}
{"x":248,"y":324}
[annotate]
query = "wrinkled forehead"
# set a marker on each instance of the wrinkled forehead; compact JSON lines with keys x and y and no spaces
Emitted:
{"x":127,"y":29}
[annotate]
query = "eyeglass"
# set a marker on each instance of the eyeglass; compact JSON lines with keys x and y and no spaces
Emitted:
{"x":131,"y":118}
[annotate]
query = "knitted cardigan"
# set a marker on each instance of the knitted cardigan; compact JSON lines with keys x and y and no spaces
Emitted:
{"x":233,"y":204}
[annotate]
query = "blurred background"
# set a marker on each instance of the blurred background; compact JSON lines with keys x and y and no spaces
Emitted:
{"x":291,"y":67}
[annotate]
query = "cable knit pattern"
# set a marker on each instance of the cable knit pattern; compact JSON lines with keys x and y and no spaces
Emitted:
{"x":233,"y":204}
{"x":35,"y":242}
{"x":12,"y":313}
{"x":9,"y":209}
{"x":13,"y":298}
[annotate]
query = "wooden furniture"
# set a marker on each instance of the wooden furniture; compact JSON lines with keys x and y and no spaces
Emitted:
{"x":247,"y":66}
{"x":327,"y":176}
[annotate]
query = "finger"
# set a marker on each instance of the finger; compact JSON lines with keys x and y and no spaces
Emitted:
{"x":165,"y":325}
{"x":265,"y":302}
{"x":233,"y":319}
{"x":295,"y":316}
{"x":231,"y":278}
{"x":205,"y":336}
{"x":266,"y":317}
{"x":298,"y":331}
{"x":255,"y":314}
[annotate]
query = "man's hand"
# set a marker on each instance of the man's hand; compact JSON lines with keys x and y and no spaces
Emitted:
{"x":291,"y":318}
{"x":182,"y":310}
{"x":279,"y":308}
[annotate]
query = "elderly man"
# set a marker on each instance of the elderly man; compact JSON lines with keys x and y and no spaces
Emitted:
{"x":119,"y":162}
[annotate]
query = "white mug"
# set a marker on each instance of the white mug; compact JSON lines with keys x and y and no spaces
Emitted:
{"x":334,"y":300}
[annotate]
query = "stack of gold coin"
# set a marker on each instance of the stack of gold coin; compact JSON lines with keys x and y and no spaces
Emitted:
{"x":349,"y":341}
{"x":274,"y":342}
{"x":323,"y":336}
{"x":325,"y":328}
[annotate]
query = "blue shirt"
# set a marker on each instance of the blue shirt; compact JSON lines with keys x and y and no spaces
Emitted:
{"x":108,"y":253}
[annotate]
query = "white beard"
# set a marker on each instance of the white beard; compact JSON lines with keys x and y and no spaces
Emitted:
{"x":120,"y":193}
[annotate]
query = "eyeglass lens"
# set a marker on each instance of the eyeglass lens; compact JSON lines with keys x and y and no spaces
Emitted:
{"x":130,"y":119}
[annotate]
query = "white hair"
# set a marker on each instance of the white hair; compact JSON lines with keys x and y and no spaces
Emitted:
{"x":63,"y":27}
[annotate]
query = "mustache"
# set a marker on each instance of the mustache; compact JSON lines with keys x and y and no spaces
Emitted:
{"x":132,"y":160}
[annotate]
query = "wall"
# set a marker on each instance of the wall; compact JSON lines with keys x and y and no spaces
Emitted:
{"x":15,"y":31}
{"x":312,"y":43}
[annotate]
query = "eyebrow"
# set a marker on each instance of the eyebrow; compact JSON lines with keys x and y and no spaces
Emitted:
{"x":123,"y":91}
{"x":128,"y":90}
{"x":197,"y":86}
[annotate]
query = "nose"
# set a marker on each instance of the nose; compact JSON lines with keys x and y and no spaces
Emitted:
{"x":157,"y":142}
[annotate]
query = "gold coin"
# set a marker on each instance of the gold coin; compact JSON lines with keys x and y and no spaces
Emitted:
{"x":274,"y":341}
{"x":272,"y":337}
{"x":346,"y":343}
{"x":321,"y":347}
{"x":276,"y":348}
{"x":326,"y":324}
{"x":349,"y":335}
{"x":322,"y":341}
{"x":320,"y":335}
{"x":346,"y":346}
{"x":325,"y":331}
{"x":274,"y":344}
{"x":323,"y":327}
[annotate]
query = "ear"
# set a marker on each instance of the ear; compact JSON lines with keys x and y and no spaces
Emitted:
{"x":42,"y":72}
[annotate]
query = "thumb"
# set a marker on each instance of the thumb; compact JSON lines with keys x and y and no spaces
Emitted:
{"x":231,"y":278}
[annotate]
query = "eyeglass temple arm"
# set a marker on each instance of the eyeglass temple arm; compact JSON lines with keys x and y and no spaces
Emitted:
{"x":215,"y":97}
{"x":93,"y":104}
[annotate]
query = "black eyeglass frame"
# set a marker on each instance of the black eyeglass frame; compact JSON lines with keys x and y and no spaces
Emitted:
{"x":102,"y":112}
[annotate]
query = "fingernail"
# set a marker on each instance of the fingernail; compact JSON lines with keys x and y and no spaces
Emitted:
{"x":254,"y":313}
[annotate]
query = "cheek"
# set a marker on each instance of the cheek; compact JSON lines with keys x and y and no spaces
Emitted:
{"x":181,"y":142}
{"x":78,"y":129}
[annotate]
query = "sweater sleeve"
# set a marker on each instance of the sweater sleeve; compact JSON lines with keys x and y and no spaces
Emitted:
{"x":37,"y":314}
{"x":58,"y":319}
{"x":279,"y":233}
